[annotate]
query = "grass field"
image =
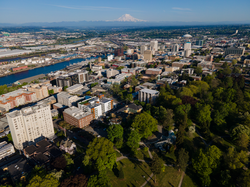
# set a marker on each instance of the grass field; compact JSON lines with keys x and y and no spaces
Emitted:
{"x":170,"y":178}
{"x":141,"y":154}
{"x":133,"y":173}
{"x":187,"y":182}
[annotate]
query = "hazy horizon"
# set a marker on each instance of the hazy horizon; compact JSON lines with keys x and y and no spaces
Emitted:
{"x":19,"y":12}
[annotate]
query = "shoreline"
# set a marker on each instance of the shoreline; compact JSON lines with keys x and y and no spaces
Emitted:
{"x":30,"y":68}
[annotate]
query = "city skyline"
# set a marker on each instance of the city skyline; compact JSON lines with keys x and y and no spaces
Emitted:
{"x":57,"y":11}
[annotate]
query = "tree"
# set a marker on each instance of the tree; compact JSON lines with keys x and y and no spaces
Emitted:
{"x":100,"y":180}
{"x":162,"y":113}
{"x":225,"y":178}
{"x":228,"y":81}
{"x":133,"y":140}
{"x":59,"y":163}
{"x":75,"y":181}
{"x":198,"y":70}
{"x":56,"y":174}
{"x":168,"y":121}
{"x":116,"y":88}
{"x":130,"y":89}
{"x":129,"y":97}
{"x":205,"y":163}
{"x":186,"y":92}
{"x":65,"y":88}
{"x":134,"y":81}
{"x":234,"y":61}
{"x":236,"y":160}
{"x":115,"y":134}
{"x":88,"y":93}
{"x":204,"y":116}
{"x":243,"y":141}
{"x":121,"y":173}
{"x":145,"y":124}
{"x":51,"y":92}
{"x":156,"y":165}
{"x":239,"y":129}
{"x":101,"y":152}
{"x":120,"y":68}
{"x":47,"y":181}
{"x":182,"y":159}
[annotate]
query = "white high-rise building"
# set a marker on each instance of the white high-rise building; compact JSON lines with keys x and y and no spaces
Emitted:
{"x":187,"y":49}
{"x":175,"y":48}
{"x":30,"y":125}
{"x":143,"y":48}
{"x":154,"y":46}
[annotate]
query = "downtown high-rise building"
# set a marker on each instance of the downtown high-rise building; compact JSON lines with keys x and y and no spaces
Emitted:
{"x":187,"y":49}
{"x":143,"y":48}
{"x":154,"y":46}
{"x":175,"y":48}
{"x":30,"y":125}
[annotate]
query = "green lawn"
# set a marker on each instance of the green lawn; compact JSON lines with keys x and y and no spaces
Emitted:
{"x":170,"y":178}
{"x":187,"y":182}
{"x":133,"y":172}
{"x":143,"y":155}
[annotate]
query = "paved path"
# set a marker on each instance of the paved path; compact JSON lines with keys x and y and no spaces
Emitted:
{"x":150,"y":177}
{"x":182,"y":176}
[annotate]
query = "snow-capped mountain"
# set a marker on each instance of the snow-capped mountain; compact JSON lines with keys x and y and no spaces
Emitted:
{"x":128,"y":17}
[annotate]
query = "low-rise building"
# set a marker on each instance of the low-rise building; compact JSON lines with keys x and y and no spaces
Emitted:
{"x":17,"y":98}
{"x":42,"y":152}
{"x":111,"y":72}
{"x":68,"y":146}
{"x":96,"y":68}
{"x":118,"y":79}
{"x":6,"y":149}
{"x":232,"y":50}
{"x":153,"y":71}
{"x":148,"y":96}
{"x":74,"y":88}
{"x":41,"y":91}
{"x":78,"y":117}
{"x":55,"y":89}
{"x":66,"y":99}
{"x":98,"y":106}
{"x":206,"y":64}
{"x":247,"y":61}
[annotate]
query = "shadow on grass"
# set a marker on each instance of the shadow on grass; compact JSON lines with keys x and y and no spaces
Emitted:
{"x":138,"y":164}
{"x":193,"y":176}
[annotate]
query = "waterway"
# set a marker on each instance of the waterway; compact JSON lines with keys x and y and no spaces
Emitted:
{"x":9,"y":79}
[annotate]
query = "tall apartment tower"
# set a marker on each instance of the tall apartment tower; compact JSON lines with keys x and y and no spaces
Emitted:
{"x":175,"y":48}
{"x":187,"y":49}
{"x":154,"y":46}
{"x":30,"y":125}
{"x":143,"y":48}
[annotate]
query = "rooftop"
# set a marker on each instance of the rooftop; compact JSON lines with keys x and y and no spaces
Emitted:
{"x":77,"y":113}
{"x":149,"y":91}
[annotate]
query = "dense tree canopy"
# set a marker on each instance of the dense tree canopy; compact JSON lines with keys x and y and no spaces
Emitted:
{"x":144,"y":124}
{"x":101,"y":153}
{"x":115,"y":134}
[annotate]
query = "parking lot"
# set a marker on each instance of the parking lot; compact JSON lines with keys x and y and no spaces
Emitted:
{"x":96,"y":130}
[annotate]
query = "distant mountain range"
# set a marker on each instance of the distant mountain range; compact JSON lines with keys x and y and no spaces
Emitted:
{"x":124,"y":21}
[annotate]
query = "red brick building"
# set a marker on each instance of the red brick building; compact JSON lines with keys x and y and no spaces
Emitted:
{"x":77,"y":117}
{"x":19,"y":68}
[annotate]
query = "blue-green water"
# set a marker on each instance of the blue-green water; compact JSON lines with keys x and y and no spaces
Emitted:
{"x":43,"y":70}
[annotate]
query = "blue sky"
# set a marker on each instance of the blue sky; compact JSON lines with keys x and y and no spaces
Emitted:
{"x":22,"y":11}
